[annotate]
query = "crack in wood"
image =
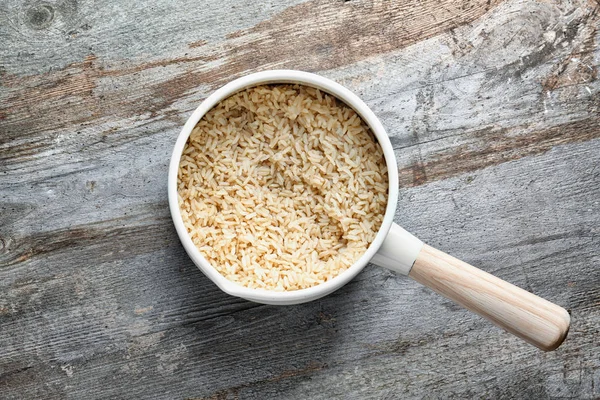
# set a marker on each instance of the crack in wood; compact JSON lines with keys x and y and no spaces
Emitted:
{"x":487,"y":147}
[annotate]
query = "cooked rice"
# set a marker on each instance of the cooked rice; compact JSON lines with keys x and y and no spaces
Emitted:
{"x":282,"y":187}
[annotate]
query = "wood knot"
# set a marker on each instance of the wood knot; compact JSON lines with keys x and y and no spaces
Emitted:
{"x":39,"y":16}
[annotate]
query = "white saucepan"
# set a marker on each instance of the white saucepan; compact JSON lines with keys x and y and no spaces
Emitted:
{"x":521,"y":313}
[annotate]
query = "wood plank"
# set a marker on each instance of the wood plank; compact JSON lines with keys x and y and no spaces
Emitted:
{"x":492,"y":108}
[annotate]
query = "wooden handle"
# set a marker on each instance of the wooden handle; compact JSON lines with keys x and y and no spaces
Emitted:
{"x":533,"y":319}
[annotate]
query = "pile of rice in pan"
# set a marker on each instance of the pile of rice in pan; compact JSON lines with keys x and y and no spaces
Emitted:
{"x":282,"y":187}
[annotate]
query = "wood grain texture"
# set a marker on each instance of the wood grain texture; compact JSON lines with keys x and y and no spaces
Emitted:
{"x":533,"y":319}
{"x":492,"y":108}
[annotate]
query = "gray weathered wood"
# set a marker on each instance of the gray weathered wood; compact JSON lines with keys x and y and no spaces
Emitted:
{"x":493,"y":108}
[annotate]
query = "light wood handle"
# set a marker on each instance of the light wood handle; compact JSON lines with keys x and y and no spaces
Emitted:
{"x":533,"y":319}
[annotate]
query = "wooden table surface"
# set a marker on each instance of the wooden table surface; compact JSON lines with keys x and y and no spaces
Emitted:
{"x":493,"y":108}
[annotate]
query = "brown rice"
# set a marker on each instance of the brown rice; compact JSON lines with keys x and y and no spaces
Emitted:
{"x":282,"y":187}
